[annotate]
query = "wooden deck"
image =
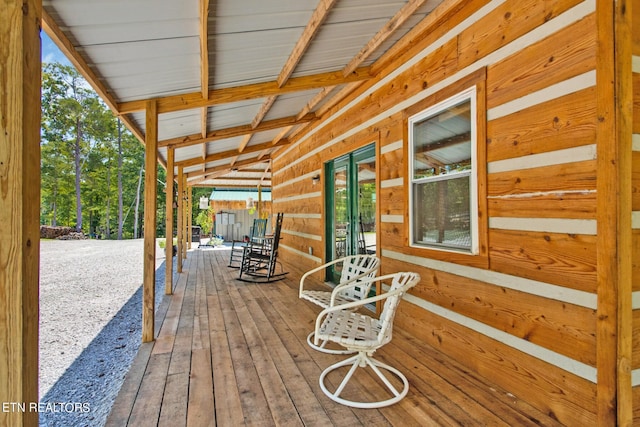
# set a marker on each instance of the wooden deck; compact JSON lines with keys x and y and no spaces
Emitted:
{"x":230,"y":353}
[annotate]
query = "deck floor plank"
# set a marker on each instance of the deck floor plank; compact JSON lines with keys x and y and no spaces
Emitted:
{"x":231,"y":353}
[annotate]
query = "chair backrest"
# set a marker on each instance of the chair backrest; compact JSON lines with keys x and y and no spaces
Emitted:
{"x":276,"y":232}
{"x":360,"y":267}
{"x":258,"y":230}
{"x":400,"y":283}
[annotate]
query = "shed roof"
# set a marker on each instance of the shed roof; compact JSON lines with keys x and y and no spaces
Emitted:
{"x":234,"y":80}
{"x":238,"y":195}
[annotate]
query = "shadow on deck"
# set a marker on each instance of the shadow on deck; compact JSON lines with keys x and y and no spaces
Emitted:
{"x":231,"y":353}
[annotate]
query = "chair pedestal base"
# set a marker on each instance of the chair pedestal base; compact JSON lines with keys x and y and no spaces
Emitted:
{"x":362,"y":359}
{"x":323,"y":349}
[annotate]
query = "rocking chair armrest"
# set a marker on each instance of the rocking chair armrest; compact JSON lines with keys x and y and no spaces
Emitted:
{"x":316,"y":269}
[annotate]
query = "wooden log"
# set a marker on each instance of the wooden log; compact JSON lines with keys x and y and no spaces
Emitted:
{"x":150,"y":189}
{"x":614,"y":243}
{"x":19,"y":207}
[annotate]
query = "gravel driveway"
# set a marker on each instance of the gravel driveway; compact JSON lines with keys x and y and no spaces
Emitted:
{"x":90,"y":325}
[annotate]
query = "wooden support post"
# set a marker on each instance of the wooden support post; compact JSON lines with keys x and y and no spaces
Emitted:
{"x":614,"y":129}
{"x":150,"y":190}
{"x":180,"y":216}
{"x":168,"y":287}
{"x":189,"y":216}
{"x":185,"y":222}
{"x":19,"y":207}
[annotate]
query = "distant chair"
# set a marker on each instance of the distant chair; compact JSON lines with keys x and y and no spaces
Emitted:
{"x":260,"y":257}
{"x":364,"y":334}
{"x":355,"y":268}
{"x":257,"y":233}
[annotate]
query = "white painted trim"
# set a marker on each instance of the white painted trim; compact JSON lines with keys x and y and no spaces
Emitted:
{"x":636,"y":142}
{"x":303,"y":254}
{"x":306,"y":176}
{"x":532,"y":287}
{"x":546,"y":94}
{"x":635,"y":220}
{"x":391,"y":147}
{"x":396,"y":182}
{"x":558,"y":193}
{"x":305,"y":215}
{"x":635,"y":377}
{"x":298,"y":197}
{"x":571,"y":16}
{"x":569,"y":155}
{"x":635,"y":64}
{"x":561,"y":361}
{"x":635,"y":300}
{"x":546,"y":225}
{"x":304,"y":235}
{"x":396,"y":219}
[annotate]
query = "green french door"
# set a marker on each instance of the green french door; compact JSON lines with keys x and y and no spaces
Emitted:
{"x":351,"y":205}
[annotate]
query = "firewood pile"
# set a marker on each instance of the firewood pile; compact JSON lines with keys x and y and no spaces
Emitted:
{"x":60,"y":233}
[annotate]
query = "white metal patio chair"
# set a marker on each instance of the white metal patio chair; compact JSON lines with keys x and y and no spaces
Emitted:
{"x":364,"y":334}
{"x":355,"y":268}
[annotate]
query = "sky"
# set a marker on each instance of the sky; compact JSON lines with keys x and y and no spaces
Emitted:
{"x":50,"y":52}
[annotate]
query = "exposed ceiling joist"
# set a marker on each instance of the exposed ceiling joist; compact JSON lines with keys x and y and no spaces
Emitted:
{"x":242,"y":93}
{"x":235,"y":131}
{"x":318,"y":17}
{"x":394,"y":23}
{"x":227,"y":168}
{"x":230,"y":153}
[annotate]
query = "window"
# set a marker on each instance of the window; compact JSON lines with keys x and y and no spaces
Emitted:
{"x":443,"y":193}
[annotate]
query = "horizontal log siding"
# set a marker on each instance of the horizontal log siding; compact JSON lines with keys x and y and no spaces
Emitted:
{"x":546,"y":355}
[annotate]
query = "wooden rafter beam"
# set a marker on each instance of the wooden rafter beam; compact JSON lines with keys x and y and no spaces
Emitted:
{"x":204,"y":48}
{"x":230,"y":153}
{"x":242,"y":93}
{"x":235,"y":131}
{"x":385,"y":32}
{"x":257,"y":120}
{"x":314,"y":24}
{"x":226,"y":168}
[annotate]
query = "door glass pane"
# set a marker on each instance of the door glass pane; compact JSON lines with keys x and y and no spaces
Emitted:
{"x":366,"y":206}
{"x":341,"y":212}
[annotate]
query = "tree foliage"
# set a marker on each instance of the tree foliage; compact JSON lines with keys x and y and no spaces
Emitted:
{"x":80,"y":159}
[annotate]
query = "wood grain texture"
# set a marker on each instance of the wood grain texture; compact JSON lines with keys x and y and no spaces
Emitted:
{"x":554,"y":325}
{"x":19,"y":207}
{"x":507,"y":22}
{"x":568,"y":399}
{"x":563,"y":259}
{"x":150,"y":196}
{"x":565,"y":54}
{"x":565,"y":122}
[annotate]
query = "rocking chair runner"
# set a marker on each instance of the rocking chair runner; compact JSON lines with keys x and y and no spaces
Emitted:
{"x":364,"y":334}
{"x":260,"y":257}
{"x":355,"y":268}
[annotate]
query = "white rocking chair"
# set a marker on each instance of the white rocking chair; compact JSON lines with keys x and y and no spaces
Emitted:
{"x":364,"y":334}
{"x":355,"y":268}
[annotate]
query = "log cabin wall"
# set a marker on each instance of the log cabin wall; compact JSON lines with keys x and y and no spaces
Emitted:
{"x":523,"y":311}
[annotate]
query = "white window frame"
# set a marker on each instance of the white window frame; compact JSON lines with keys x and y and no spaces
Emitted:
{"x":471,"y":95}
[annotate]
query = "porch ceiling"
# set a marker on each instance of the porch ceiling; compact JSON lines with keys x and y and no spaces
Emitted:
{"x":234,"y":80}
